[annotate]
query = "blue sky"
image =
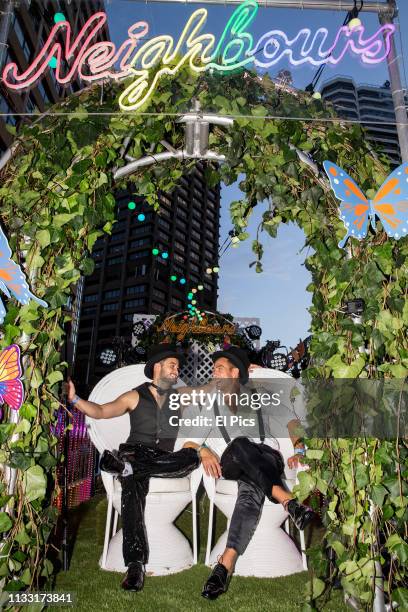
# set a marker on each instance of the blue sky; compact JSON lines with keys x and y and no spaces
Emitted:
{"x":277,"y":296}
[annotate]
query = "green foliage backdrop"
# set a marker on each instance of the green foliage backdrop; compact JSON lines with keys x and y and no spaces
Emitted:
{"x":56,"y":198}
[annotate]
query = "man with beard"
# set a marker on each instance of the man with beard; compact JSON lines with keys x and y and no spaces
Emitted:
{"x":147,"y":452}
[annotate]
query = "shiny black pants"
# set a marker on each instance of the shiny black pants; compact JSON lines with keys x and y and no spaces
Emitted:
{"x":146,"y":461}
{"x":257,"y":468}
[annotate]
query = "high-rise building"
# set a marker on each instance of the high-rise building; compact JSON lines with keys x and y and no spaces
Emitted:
{"x":28,"y":30}
{"x":372,"y":106}
{"x":128,"y":278}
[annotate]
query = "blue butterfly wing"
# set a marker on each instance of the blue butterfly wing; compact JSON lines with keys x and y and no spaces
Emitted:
{"x":13,"y":278}
{"x":391,"y":203}
{"x":5,"y":250}
{"x":2,"y":312}
{"x":354,"y":208}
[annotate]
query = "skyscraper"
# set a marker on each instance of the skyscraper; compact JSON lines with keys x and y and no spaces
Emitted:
{"x":372,"y":106}
{"x":128,"y":278}
{"x":28,"y":30}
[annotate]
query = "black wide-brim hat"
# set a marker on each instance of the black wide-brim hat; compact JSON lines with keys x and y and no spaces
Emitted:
{"x":158,"y":352}
{"x":238,"y":357}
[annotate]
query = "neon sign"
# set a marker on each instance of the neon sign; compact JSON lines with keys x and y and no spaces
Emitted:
{"x":200,"y":51}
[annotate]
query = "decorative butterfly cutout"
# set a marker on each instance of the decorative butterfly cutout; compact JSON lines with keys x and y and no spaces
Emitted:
{"x":12,"y":279}
{"x":390,"y":204}
{"x":11,"y":387}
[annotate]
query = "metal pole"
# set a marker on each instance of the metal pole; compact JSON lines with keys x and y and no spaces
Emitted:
{"x":6,"y":14}
{"x":397,"y":91}
{"x":318,"y":5}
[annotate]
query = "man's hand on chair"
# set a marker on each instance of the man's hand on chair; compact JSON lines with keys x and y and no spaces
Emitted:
{"x":210,"y":463}
{"x":293,"y":461}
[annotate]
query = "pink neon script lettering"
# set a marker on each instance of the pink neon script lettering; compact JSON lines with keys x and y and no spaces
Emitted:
{"x":99,"y":57}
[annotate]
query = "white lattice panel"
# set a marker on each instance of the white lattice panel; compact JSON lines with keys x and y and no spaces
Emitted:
{"x":198,"y":367}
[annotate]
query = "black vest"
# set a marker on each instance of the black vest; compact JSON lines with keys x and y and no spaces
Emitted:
{"x":149,"y":424}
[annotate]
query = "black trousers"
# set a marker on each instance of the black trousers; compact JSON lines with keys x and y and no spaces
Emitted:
{"x":146,"y":461}
{"x":257,"y":468}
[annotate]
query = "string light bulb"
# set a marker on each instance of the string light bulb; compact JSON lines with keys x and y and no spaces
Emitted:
{"x":355,"y":21}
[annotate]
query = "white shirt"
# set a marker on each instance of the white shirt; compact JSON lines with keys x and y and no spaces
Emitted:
{"x":202,"y":423}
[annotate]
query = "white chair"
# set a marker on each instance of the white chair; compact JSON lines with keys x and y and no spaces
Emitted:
{"x":170,"y":551}
{"x":271,"y":552}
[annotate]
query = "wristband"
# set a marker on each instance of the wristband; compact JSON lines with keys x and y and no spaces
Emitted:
{"x":75,"y":400}
{"x":300,"y":451}
{"x":203,"y":445}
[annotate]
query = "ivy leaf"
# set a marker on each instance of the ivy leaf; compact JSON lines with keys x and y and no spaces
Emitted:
{"x":5,"y":522}
{"x":6,"y":431}
{"x":314,"y":454}
{"x":55,"y":377}
{"x":342,"y":370}
{"x":28,"y":411}
{"x":306,"y":484}
{"x":88,"y":266}
{"x":62,"y":219}
{"x":81,"y":167}
{"x":22,"y":537}
{"x":43,"y":237}
{"x":34,"y":483}
{"x":23,"y":426}
{"x":318,"y":586}
{"x":400,"y":596}
{"x":378,"y":493}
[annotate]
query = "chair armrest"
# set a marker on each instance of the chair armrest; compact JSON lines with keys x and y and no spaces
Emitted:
{"x":209,"y":485}
{"x":195,"y":479}
{"x":108,"y":483}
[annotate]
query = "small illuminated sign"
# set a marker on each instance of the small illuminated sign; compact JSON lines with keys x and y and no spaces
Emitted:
{"x":148,"y":61}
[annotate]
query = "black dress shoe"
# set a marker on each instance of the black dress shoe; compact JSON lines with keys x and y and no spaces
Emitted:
{"x":134,"y":579}
{"x":111,"y":463}
{"x":301,"y":515}
{"x":217,"y":583}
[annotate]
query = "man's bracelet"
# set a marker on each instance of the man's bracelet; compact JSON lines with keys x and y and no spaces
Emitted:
{"x":203,"y":445}
{"x":300,"y":451}
{"x":75,"y":400}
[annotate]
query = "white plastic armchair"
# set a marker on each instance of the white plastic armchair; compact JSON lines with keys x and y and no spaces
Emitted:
{"x":271,"y":552}
{"x":170,"y":551}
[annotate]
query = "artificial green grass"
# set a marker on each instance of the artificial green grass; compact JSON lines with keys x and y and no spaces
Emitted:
{"x":96,"y":589}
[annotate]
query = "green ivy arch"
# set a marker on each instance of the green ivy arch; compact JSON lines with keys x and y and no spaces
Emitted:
{"x":56,"y":200}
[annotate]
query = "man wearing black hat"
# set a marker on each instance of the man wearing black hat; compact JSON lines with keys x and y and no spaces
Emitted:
{"x":256,"y":466}
{"x":147,"y":452}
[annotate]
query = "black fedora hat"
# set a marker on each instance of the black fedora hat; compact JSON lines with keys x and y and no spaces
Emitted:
{"x":238,"y":357}
{"x":158,"y":352}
